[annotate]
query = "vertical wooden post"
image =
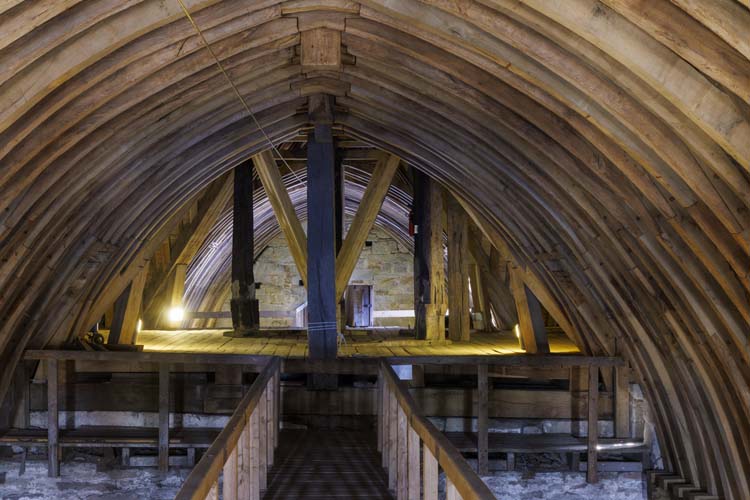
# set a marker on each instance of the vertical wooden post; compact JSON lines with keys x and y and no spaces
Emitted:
{"x":593,"y":424}
{"x":263,"y":442}
{"x":414,"y":468}
{"x":385,"y":453}
{"x":482,"y":420}
{"x":244,"y":306}
{"x":163,"y":417}
{"x":429,"y":273}
{"x":622,"y":402}
{"x":270,"y":424}
{"x":255,"y":455}
{"x":53,"y":452}
{"x":379,"y":405}
{"x":393,"y":408}
{"x":402,"y":476}
{"x":277,"y":409}
{"x":429,"y":475}
{"x":321,"y":252}
{"x":243,"y":481}
{"x":230,"y":486}
{"x":458,"y":271}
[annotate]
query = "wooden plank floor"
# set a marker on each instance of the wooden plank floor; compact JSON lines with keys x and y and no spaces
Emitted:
{"x":374,"y":343}
{"x":327,"y":464}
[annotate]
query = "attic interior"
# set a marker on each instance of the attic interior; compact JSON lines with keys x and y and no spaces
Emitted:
{"x":379,"y":249}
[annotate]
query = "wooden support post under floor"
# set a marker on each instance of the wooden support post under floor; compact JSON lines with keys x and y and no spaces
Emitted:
{"x":53,"y":450}
{"x":163,"y":417}
{"x":244,"y":305}
{"x":593,"y":424}
{"x":482,"y":420}
{"x":459,"y":322}
{"x":429,"y":274}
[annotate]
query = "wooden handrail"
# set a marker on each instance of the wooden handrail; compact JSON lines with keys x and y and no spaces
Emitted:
{"x":204,"y":477}
{"x":459,"y":474}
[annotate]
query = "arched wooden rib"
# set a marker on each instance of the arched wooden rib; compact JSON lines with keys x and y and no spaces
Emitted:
{"x":611,"y":158}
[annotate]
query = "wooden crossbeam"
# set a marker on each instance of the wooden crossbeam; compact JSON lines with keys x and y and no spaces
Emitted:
{"x":530,"y":320}
{"x":282,"y":206}
{"x":363,"y":221}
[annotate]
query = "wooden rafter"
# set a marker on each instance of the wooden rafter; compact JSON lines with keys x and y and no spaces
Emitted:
{"x":282,"y":206}
{"x":364,"y":220}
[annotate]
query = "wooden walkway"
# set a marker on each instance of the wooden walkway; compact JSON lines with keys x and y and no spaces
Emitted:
{"x":327,"y":464}
{"x":358,"y":343}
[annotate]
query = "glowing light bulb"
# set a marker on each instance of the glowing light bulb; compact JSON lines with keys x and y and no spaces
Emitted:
{"x":175,"y":314}
{"x":517,"y":330}
{"x":139,"y":326}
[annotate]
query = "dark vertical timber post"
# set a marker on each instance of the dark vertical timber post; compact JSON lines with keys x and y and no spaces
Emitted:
{"x":340,"y":201}
{"x":321,"y":237}
{"x":163,"y":417}
{"x":53,"y":464}
{"x":593,"y":424}
{"x":429,"y":274}
{"x":483,"y":394}
{"x":245,"y":311}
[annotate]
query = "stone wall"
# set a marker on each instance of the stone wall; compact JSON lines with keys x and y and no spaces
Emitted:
{"x":386,"y":265}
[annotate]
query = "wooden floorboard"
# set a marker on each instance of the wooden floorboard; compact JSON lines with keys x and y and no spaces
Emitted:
{"x":371,"y":343}
{"x":327,"y":464}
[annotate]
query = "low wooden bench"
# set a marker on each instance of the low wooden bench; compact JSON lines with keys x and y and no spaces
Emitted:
{"x":124,"y":438}
{"x":511,"y":443}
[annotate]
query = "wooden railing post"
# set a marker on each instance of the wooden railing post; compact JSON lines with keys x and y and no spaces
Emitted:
{"x":243,"y":446}
{"x":270,"y":424}
{"x":402,"y":459}
{"x":414,"y":446}
{"x":263,"y":441}
{"x":407,"y":427}
{"x":429,"y":475}
{"x":593,"y":424}
{"x":255,"y":455}
{"x":379,"y":405}
{"x":53,"y":452}
{"x":385,"y":438}
{"x":230,"y":485}
{"x":392,"y":440}
{"x":244,"y":449}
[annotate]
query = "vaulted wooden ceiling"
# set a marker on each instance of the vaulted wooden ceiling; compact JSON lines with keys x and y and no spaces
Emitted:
{"x":606,"y":143}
